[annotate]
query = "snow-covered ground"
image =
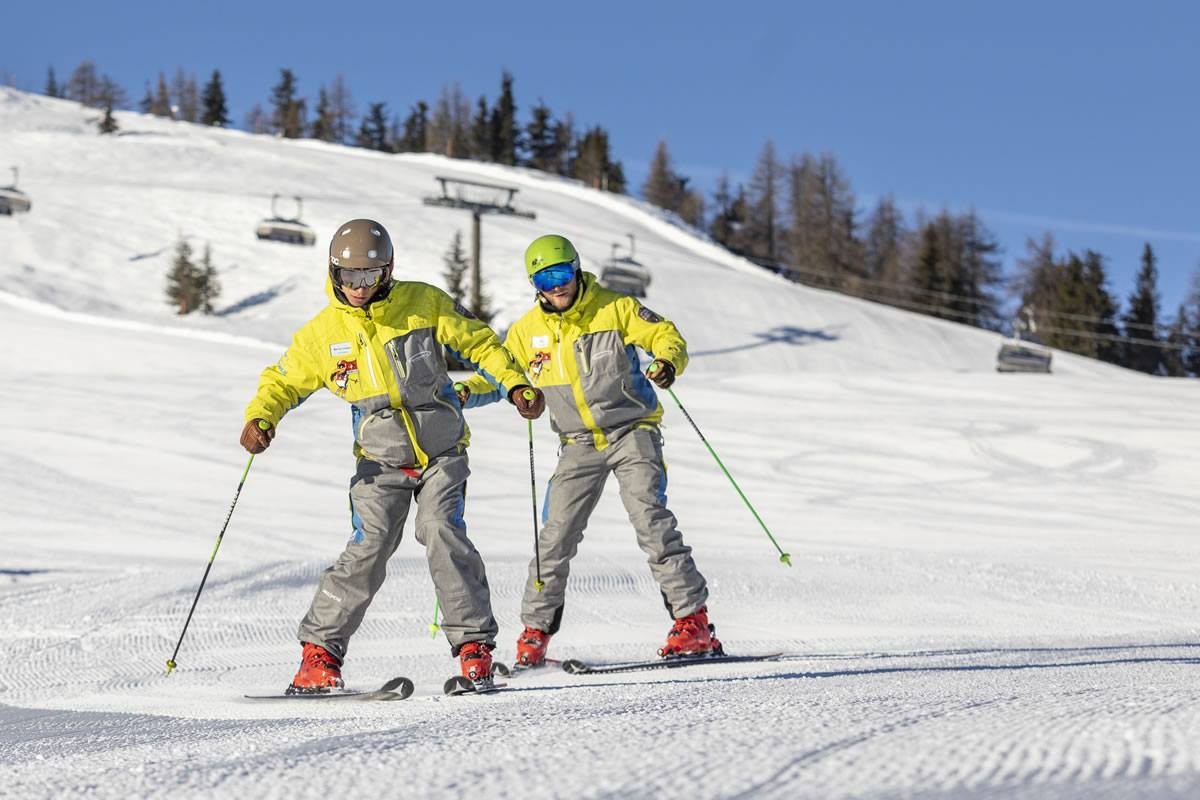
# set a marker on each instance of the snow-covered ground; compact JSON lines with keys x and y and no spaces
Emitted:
{"x":994,"y":591}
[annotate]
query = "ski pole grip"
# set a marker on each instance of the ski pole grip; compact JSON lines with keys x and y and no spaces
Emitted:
{"x":263,"y":425}
{"x":528,"y":394}
{"x":459,"y":386}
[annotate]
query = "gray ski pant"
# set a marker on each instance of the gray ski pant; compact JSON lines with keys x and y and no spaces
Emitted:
{"x":379,"y":498}
{"x":637,"y":461}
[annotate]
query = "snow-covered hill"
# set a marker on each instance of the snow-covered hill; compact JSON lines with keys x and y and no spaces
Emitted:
{"x":110,"y":208}
{"x":994,"y":591}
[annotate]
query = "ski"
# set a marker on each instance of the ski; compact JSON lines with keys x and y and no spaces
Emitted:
{"x":395,"y":689}
{"x":459,"y":685}
{"x":577,"y":667}
{"x":523,"y":669}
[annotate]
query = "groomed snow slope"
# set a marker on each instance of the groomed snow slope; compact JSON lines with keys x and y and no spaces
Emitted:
{"x":994,"y":588}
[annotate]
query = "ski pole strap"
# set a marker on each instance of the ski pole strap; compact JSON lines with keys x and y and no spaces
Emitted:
{"x":785,"y":558}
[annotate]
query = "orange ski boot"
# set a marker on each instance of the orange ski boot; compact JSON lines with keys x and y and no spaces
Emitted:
{"x":320,"y":671}
{"x":531,"y":647}
{"x":690,"y":636}
{"x":475,"y":659}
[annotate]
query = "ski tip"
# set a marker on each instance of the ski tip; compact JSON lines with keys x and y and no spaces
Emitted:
{"x":501,"y":669}
{"x":457,"y":685}
{"x":574,"y":666}
{"x":401,"y":687}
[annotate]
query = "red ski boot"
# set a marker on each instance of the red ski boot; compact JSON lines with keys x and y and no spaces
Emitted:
{"x":531,"y":647}
{"x":691,"y":636}
{"x":319,"y":671}
{"x":475,"y":659}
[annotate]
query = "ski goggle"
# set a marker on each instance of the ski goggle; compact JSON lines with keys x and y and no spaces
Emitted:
{"x":359,"y":278}
{"x":553,"y":277}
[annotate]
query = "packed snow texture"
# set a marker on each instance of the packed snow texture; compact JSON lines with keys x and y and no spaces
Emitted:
{"x":994,"y":586}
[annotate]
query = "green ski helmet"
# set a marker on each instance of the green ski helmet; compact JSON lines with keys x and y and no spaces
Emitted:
{"x":548,"y":251}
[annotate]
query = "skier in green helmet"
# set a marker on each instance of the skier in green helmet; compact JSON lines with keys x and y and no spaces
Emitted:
{"x":579,"y":345}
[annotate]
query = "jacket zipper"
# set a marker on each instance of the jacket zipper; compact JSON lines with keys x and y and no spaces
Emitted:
{"x":370,"y":361}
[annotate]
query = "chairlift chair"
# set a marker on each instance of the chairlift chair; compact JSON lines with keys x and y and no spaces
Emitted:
{"x":1022,"y":356}
{"x":12,"y":199}
{"x":284,"y":229}
{"x":1019,"y":354}
{"x":625,"y":274}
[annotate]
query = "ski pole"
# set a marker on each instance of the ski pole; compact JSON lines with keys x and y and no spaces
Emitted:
{"x":786,"y":558}
{"x":434,"y":627}
{"x":538,"y":584}
{"x":171,"y":661}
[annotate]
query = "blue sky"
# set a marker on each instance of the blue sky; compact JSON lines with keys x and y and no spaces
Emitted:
{"x":1075,"y":118}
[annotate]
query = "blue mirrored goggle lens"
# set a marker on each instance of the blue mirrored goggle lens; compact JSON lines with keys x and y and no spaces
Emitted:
{"x":552,"y":277}
{"x":360,"y":278}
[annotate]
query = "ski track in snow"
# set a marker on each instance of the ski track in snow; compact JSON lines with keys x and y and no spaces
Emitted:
{"x":993,"y":592}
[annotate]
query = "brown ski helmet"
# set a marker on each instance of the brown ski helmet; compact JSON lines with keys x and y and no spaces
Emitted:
{"x":360,"y":244}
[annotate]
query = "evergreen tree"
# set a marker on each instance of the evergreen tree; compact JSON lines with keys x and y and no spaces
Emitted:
{"x":323,"y":122}
{"x":147,"y":102}
{"x":216,"y":113}
{"x":455,"y":276}
{"x":373,"y":132}
{"x":1174,"y":358}
{"x":416,"y":129}
{"x":564,"y":143}
{"x":191,"y":286}
{"x":979,"y":272}
{"x":208,"y":287}
{"x":928,"y":269}
{"x":820,"y":239}
{"x":1100,"y":305}
{"x":457,"y":265}
{"x":729,"y":217}
{"x":762,"y":220}
{"x":160,"y":106}
{"x":504,"y":124}
{"x":1141,"y":318}
{"x":541,"y":146}
{"x":288,"y":111}
{"x":661,"y":187}
{"x":593,"y":164}
{"x":52,"y":87}
{"x":109,"y":123}
{"x":667,"y":189}
{"x":1192,"y":356}
{"x":481,"y":132}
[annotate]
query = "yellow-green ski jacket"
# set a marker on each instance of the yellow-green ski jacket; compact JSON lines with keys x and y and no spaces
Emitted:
{"x":386,"y":360}
{"x":585,"y":360}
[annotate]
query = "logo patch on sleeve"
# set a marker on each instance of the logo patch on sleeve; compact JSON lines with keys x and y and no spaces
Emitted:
{"x":340,"y":349}
{"x":463,"y":311}
{"x":649,"y":315}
